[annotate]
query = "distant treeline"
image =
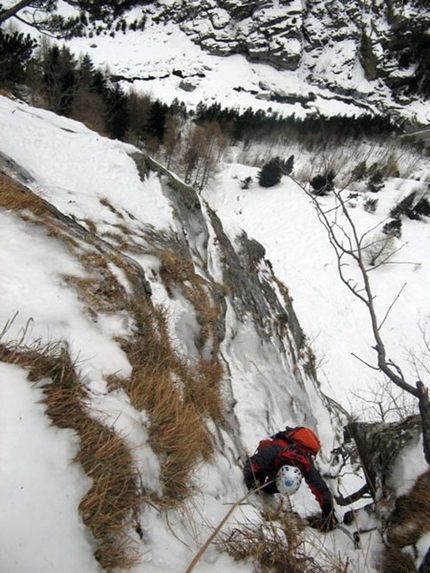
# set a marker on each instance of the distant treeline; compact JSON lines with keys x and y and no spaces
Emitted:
{"x":190,"y":141}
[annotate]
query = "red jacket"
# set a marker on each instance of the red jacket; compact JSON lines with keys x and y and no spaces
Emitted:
{"x":263,"y":466}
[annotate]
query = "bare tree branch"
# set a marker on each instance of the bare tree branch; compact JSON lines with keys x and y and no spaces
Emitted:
{"x":13,"y":10}
{"x":347,"y":244}
{"x":391,"y":306}
{"x":45,"y":6}
{"x":364,"y":362}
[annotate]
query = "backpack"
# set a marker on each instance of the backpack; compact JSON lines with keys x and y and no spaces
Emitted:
{"x":303,"y":438}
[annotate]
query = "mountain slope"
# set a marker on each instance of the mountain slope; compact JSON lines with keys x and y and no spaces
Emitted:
{"x":214,"y":316}
{"x":87,"y":267}
{"x":113,"y":233}
{"x":287,"y":57}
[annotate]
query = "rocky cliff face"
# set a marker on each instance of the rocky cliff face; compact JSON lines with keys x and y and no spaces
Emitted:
{"x":356,"y":48}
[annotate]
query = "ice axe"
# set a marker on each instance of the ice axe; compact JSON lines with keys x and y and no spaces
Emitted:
{"x":354,"y":536}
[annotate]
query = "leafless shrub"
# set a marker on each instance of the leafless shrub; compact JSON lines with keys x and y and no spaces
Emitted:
{"x":385,"y":402}
{"x":421,"y":361}
{"x":379,"y":249}
{"x":348,"y":246}
{"x":89,"y":108}
{"x":203,"y":149}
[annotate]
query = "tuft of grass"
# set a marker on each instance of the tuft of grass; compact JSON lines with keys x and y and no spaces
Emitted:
{"x":101,"y":290}
{"x":411,"y":516}
{"x":14,"y":197}
{"x":91,"y":226}
{"x":106,"y":203}
{"x":29,"y":206}
{"x":203,"y":389}
{"x":178,"y":272}
{"x":114,"y":497}
{"x":409,"y":521}
{"x":277,"y":545}
{"x":395,"y":561}
{"x":158,"y":386}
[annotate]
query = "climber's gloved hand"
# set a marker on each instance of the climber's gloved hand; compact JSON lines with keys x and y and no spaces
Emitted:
{"x":250,"y":480}
{"x":328,"y":520}
{"x":251,"y":477}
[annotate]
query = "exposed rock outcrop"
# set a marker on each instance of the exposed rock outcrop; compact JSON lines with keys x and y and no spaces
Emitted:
{"x":335,"y":45}
{"x":379,"y":445}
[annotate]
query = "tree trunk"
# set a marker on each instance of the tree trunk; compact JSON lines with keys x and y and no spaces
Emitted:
{"x":424,"y":406}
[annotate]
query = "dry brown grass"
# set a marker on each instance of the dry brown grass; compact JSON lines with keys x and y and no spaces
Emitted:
{"x":91,"y":226}
{"x":178,"y":398}
{"x":106,"y":203}
{"x":177,"y":432}
{"x":175,"y":396}
{"x":276,"y":546}
{"x":29,"y":206}
{"x":14,"y":198}
{"x":179,"y":272}
{"x":7,"y":94}
{"x":100,"y":290}
{"x":203,"y":389}
{"x":114,"y":497}
{"x":395,"y":561}
{"x":175,"y":270}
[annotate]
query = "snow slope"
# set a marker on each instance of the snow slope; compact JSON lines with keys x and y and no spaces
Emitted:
{"x":73,"y":168}
{"x":284,"y":220}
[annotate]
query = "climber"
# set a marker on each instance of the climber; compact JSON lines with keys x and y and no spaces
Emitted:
{"x":280,"y":463}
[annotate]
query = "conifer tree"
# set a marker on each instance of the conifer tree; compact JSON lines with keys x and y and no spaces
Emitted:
{"x":271,"y":173}
{"x":156,"y":126}
{"x":15,"y":51}
{"x":117,"y":115}
{"x":59,"y":77}
{"x":45,"y":9}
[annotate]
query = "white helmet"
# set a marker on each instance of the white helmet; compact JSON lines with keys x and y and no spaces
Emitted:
{"x":288,"y":480}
